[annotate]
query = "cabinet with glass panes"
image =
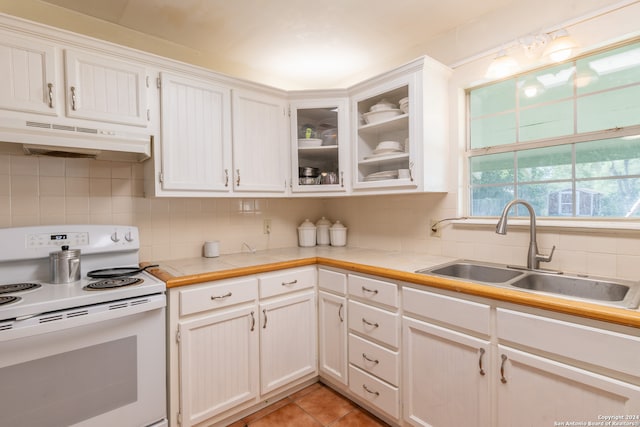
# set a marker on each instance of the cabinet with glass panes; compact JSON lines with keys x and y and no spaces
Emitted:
{"x":319,"y":145}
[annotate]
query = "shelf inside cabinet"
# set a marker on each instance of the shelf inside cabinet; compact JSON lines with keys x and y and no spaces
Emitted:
{"x":397,"y":123}
{"x":389,"y":158}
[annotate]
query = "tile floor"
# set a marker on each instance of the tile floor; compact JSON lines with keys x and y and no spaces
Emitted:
{"x":313,"y":406}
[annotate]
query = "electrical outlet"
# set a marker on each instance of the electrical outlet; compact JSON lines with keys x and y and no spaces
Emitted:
{"x":434,"y":233}
{"x":266,"y":226}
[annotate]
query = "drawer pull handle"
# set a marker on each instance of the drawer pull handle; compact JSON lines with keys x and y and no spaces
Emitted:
{"x":364,"y":356}
{"x":340,"y":312}
{"x":264,"y":313}
{"x":253,"y":322}
{"x":377,"y":393}
{"x":366,"y":322}
{"x":293,"y":282}
{"x":480,"y":361}
{"x":503,"y":380}
{"x":372,"y":291}
{"x":227,"y":295}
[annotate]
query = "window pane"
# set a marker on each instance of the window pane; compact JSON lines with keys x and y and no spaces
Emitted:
{"x":545,"y":164}
{"x":494,"y":130}
{"x":606,"y":110}
{"x":492,"y":169}
{"x":489,"y":201}
{"x":608,"y":70}
{"x":615,"y":197}
{"x":547,"y":198}
{"x":608,"y":157}
{"x":550,"y":84}
{"x":497,"y":98}
{"x":546,"y":121}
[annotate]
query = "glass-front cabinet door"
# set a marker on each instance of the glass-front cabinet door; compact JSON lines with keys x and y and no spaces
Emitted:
{"x":383,"y":145}
{"x":319,"y":145}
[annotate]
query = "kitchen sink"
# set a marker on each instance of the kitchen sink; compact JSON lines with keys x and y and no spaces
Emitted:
{"x":574,"y":286}
{"x":617,"y":293}
{"x":475,"y":272}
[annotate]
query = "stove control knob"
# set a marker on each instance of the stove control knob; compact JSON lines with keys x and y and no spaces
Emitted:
{"x":115,"y":237}
{"x":128,"y":237}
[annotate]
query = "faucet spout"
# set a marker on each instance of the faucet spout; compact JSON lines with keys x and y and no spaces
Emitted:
{"x":533,"y":257}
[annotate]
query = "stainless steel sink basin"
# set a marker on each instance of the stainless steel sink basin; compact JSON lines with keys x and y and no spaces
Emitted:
{"x":475,"y":272}
{"x":574,"y":286}
{"x":618,"y":293}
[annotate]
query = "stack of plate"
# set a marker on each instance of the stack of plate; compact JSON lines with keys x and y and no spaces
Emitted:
{"x":404,"y":105}
{"x":381,"y":176}
{"x":386,"y":148}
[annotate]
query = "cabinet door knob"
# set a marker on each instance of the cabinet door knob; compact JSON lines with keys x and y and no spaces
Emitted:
{"x":226,"y":177}
{"x":238,"y":177}
{"x":253,"y":322}
{"x":264,"y":313}
{"x":340,"y":312}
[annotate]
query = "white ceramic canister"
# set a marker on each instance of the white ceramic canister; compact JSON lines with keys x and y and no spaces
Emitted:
{"x":211,"y":249}
{"x":322,"y":231}
{"x":338,"y":234}
{"x":307,"y":234}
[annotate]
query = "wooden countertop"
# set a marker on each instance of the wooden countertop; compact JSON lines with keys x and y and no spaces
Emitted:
{"x":397,"y":266}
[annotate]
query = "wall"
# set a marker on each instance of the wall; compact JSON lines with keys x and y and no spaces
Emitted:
{"x":48,"y":190}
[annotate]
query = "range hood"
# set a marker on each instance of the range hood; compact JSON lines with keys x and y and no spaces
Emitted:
{"x":52,"y":139}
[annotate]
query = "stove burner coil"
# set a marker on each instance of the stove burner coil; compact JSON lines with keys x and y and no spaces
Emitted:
{"x":18,"y":287}
{"x":9,"y":299}
{"x":113,"y":283}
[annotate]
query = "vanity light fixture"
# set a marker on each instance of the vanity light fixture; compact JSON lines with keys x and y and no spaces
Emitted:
{"x":560,"y":47}
{"x":502,"y":65}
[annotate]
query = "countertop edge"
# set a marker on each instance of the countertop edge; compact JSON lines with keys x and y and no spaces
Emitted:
{"x":615,"y":315}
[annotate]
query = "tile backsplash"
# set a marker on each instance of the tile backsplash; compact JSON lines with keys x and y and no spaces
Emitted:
{"x":48,"y":190}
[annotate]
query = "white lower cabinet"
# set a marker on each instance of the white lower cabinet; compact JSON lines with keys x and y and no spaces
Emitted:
{"x":537,"y":391}
{"x":218,"y":363}
{"x":287,"y":340}
{"x":332,"y":336}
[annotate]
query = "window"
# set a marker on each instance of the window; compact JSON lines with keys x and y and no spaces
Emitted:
{"x":565,"y":138}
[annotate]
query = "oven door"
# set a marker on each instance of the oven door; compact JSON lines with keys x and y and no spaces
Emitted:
{"x":102,"y":365}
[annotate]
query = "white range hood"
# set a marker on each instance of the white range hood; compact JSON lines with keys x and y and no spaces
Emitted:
{"x":53,"y":139}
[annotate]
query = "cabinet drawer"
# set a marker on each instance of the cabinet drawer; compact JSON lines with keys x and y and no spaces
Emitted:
{"x":332,"y":281}
{"x":217,"y":295}
{"x":600,"y":347}
{"x":374,"y":359}
{"x":373,"y":290}
{"x":377,"y":393}
{"x":374,"y":322}
{"x":282,"y":282}
{"x":464,"y":314}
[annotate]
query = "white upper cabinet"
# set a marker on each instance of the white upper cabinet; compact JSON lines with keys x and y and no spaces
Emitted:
{"x":319,"y":145}
{"x":196,"y":135}
{"x":400,"y":129}
{"x":105,"y":89}
{"x":28,"y":80}
{"x":260,"y":138}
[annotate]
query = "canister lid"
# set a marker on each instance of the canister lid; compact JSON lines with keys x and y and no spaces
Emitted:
{"x":307,"y":225}
{"x":323,"y":222}
{"x":65,"y":253}
{"x":338,"y":226}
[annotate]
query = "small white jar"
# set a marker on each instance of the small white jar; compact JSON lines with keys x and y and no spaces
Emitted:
{"x":322,"y":232}
{"x":307,"y":234}
{"x":338,"y":234}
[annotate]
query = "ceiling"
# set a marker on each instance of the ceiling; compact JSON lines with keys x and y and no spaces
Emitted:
{"x":300,"y":44}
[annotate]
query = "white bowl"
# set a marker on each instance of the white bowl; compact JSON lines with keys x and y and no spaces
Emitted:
{"x":309,"y":142}
{"x":389,"y":145}
{"x":383,"y":105}
{"x":378,"y":116}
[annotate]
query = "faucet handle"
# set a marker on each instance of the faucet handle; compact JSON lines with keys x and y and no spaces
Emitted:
{"x":546,"y":258}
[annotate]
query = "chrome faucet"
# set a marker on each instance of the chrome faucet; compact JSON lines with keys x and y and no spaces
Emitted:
{"x":533,"y":257}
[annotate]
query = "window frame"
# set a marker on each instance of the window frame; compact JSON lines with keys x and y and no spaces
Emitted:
{"x":573,"y":220}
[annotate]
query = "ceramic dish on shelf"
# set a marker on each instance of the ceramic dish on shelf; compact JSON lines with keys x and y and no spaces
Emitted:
{"x":309,"y":142}
{"x":383,"y":105}
{"x":380,"y":176}
{"x":382,"y":156}
{"x":378,"y":116}
{"x":388,"y":145}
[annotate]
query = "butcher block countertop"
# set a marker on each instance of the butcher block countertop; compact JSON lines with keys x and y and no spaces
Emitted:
{"x":392,"y":265}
